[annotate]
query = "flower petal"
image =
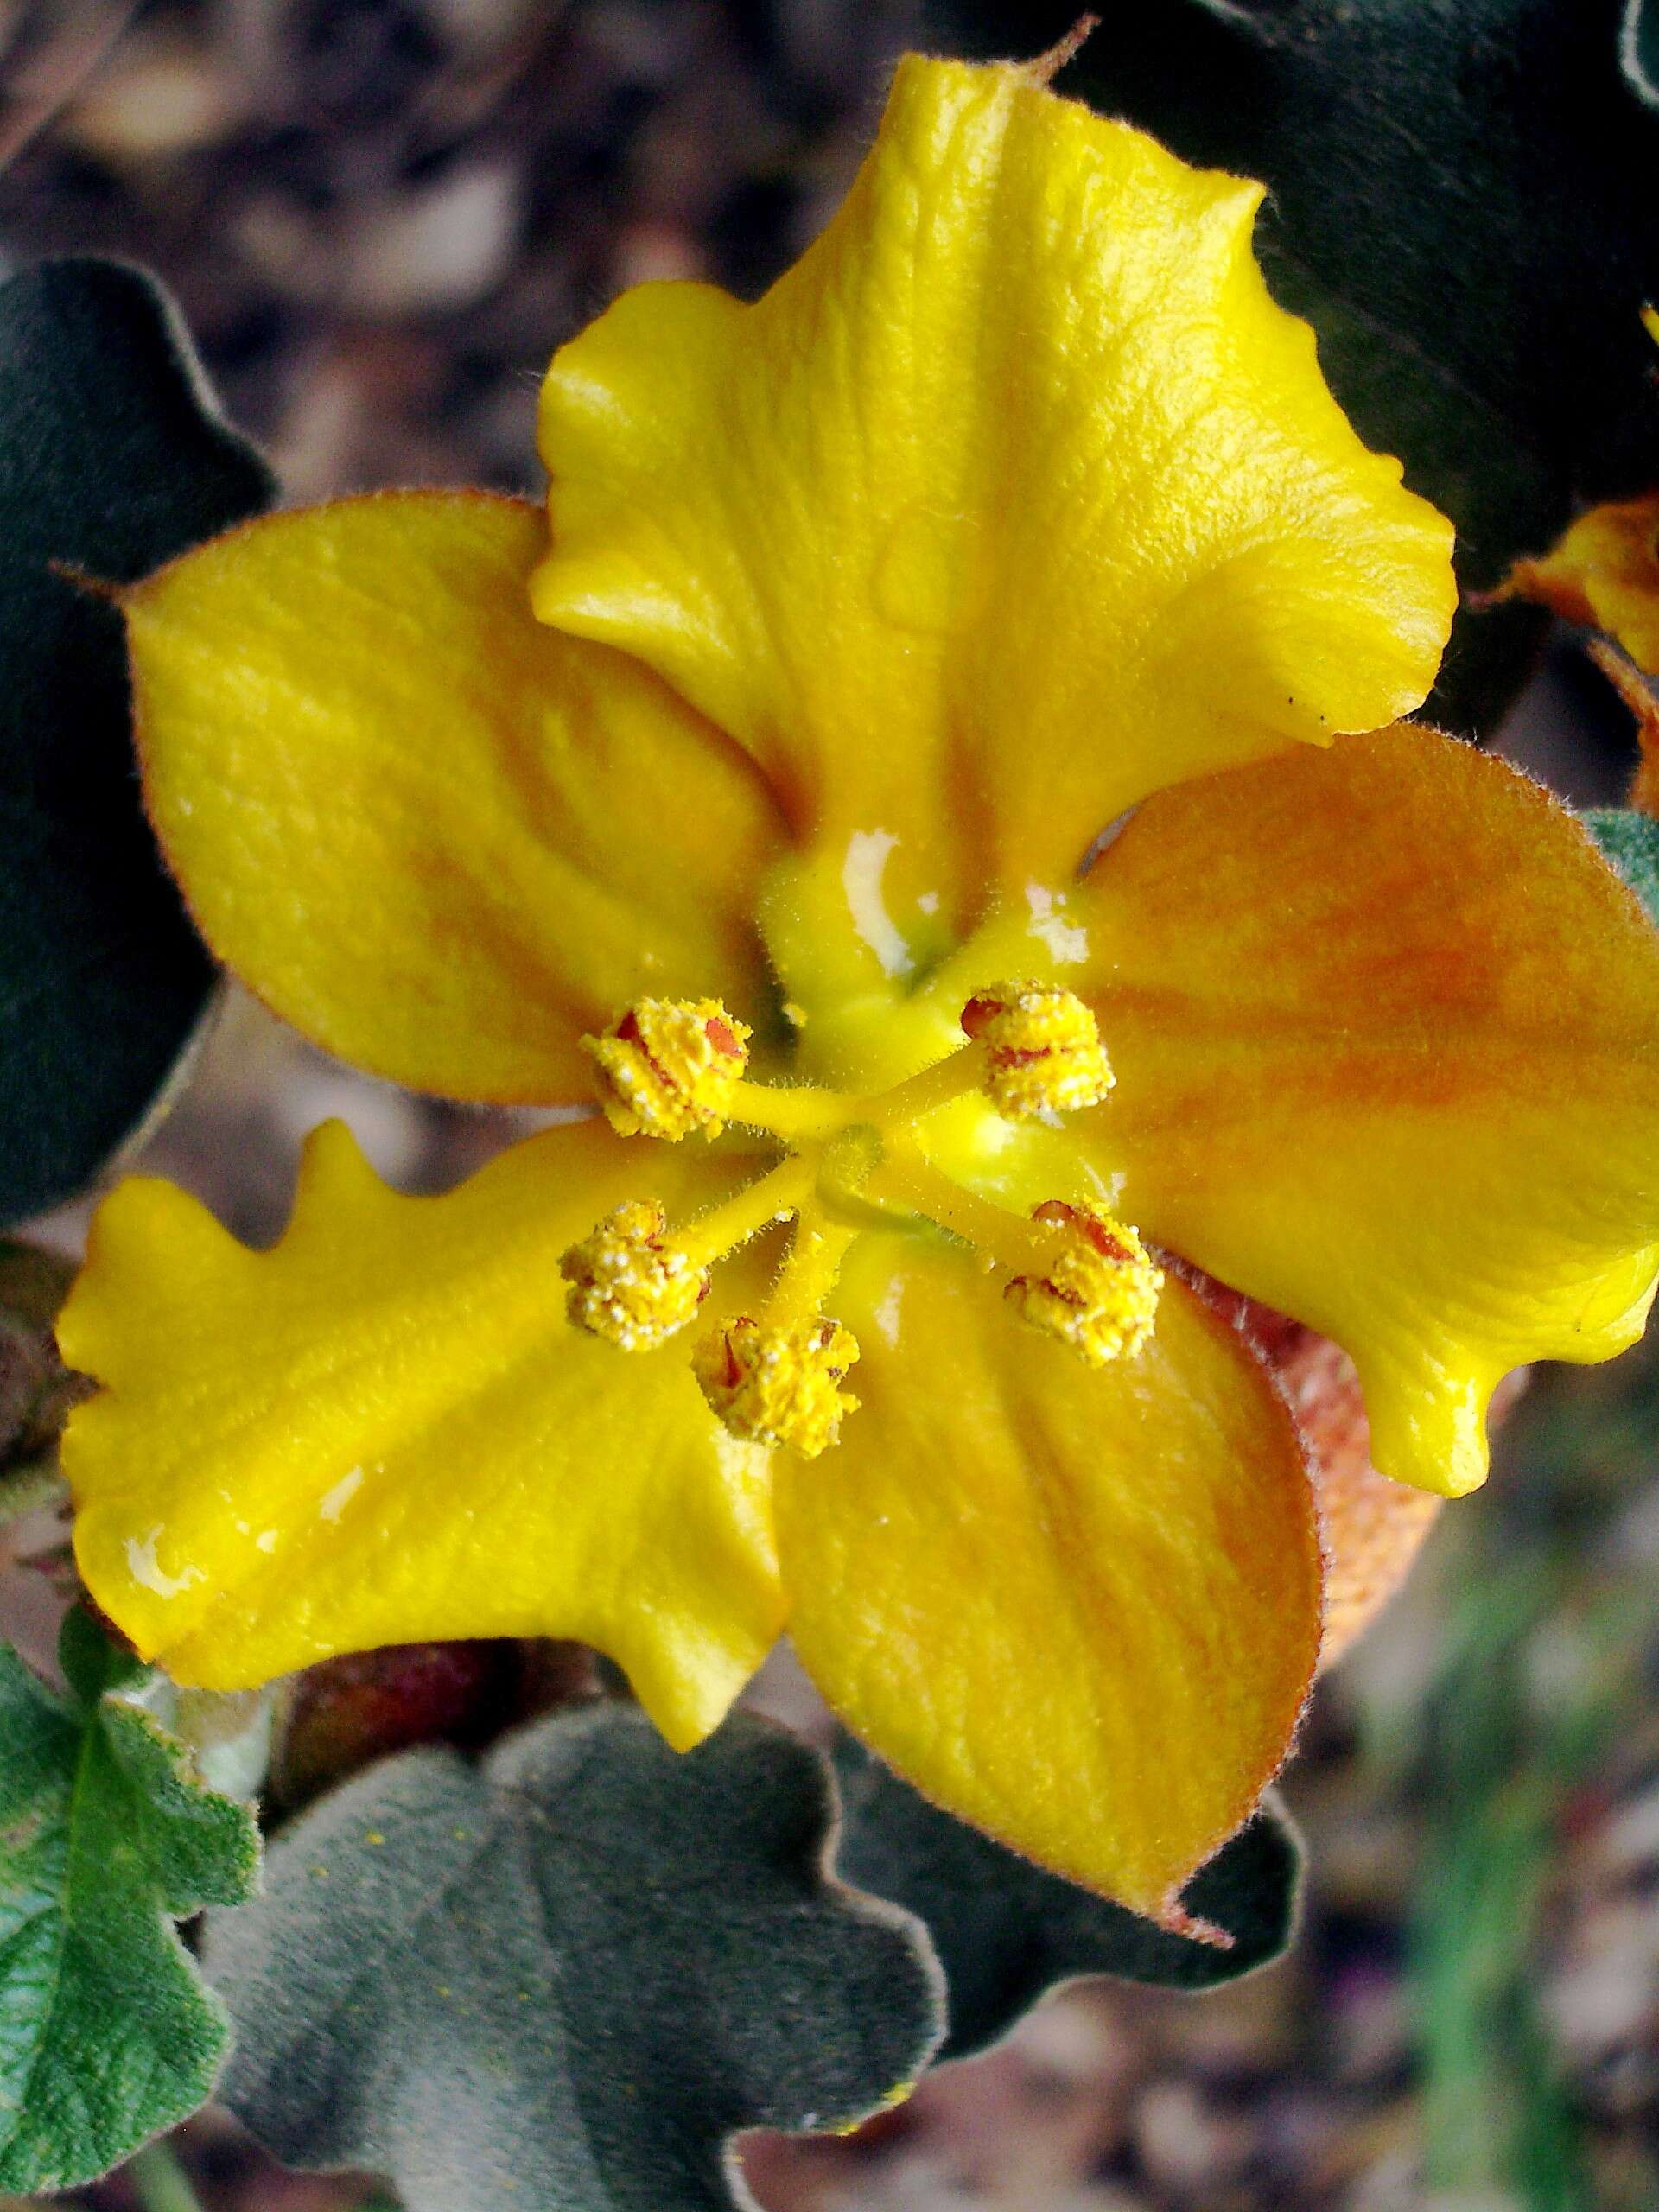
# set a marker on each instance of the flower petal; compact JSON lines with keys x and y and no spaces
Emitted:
{"x":1386,"y":1033}
{"x":384,"y":1430}
{"x":1604,"y":573}
{"x":1078,"y":1608}
{"x":1015,"y":499}
{"x":437,"y":837}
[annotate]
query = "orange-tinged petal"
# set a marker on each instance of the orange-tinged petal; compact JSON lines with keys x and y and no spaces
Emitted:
{"x":436,"y":836}
{"x":1078,"y":1607}
{"x":384,"y":1430}
{"x":1015,"y":499}
{"x":1386,"y":1034}
{"x":1604,"y":573}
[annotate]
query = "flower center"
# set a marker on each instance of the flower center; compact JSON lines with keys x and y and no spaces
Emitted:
{"x":668,"y":1068}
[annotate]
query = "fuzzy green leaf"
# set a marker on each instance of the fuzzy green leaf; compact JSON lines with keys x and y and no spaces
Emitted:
{"x":106,"y":2033}
{"x":1630,"y":844}
{"x":567,"y":1977}
{"x":113,"y":459}
{"x":1461,"y":206}
{"x":1006,"y":1931}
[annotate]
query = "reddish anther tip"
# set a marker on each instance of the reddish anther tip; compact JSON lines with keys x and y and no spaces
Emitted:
{"x":1057,"y":1215}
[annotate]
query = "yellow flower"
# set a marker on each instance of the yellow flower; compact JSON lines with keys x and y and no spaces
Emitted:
{"x":1016,"y":505}
{"x":1603,"y":573}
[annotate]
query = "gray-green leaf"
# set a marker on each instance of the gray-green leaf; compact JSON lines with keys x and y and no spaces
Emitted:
{"x":106,"y":2033}
{"x":113,"y":459}
{"x":564,"y":1978}
{"x":1630,"y":842}
{"x":1008,"y":1931}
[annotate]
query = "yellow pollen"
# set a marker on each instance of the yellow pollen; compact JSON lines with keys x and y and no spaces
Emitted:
{"x":1100,"y":1294}
{"x":780,"y":1385}
{"x":627,"y":1283}
{"x":1043,"y":1052}
{"x":669,"y":1066}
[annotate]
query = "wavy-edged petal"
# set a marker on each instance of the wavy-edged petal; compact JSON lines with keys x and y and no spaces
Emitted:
{"x":1603,"y":573}
{"x":1079,"y":1608}
{"x":1386,"y":1033}
{"x":1016,"y":498}
{"x":384,"y":1430}
{"x":436,"y":836}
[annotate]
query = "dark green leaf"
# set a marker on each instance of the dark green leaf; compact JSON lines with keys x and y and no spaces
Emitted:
{"x":1006,"y":1931}
{"x":113,"y":459}
{"x":1630,"y":843}
{"x":1462,"y":206}
{"x":565,"y":1979}
{"x":1639,"y":51}
{"x":106,"y":2034}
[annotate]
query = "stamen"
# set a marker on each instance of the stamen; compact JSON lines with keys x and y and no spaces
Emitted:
{"x":780,"y":1384}
{"x":772,"y":1197}
{"x":669,"y":1066}
{"x":633,"y":1283}
{"x":804,"y":1113}
{"x":776,"y":1380}
{"x":1043,"y":1052}
{"x":628,"y":1282}
{"x":1099,"y":1293}
{"x":1073,"y":1270}
{"x":923,"y":1093}
{"x":794,"y":1113}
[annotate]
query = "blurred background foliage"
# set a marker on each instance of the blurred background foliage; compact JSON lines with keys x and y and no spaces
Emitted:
{"x":380,"y":216}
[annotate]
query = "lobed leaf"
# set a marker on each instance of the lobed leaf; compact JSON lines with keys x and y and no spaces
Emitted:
{"x":113,"y":459}
{"x":1008,"y":1931}
{"x":567,"y":1977}
{"x":106,"y":1837}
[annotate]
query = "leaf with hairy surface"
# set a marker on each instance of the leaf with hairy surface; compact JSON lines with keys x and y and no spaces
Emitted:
{"x":107,"y":1838}
{"x":113,"y":459}
{"x":1008,"y":1932}
{"x":567,"y":1976}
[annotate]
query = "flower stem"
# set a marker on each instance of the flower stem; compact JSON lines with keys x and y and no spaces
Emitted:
{"x":159,"y":2181}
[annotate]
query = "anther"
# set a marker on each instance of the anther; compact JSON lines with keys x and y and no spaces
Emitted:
{"x":669,"y":1066}
{"x":1043,"y":1052}
{"x":629,"y":1283}
{"x":1100,"y":1293}
{"x":780,"y":1385}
